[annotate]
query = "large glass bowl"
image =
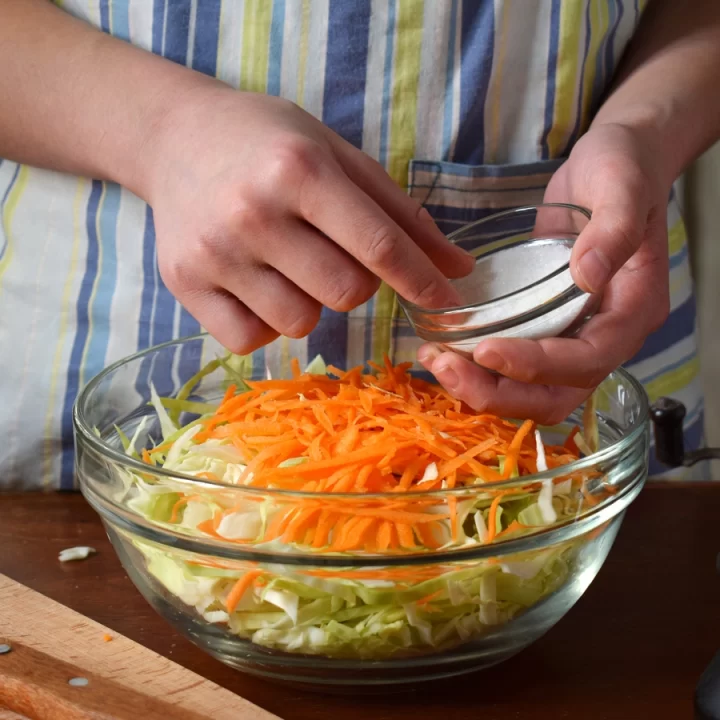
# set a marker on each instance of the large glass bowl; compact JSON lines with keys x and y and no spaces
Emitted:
{"x":354,"y":617}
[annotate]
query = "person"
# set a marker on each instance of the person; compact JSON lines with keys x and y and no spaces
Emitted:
{"x":242,"y":165}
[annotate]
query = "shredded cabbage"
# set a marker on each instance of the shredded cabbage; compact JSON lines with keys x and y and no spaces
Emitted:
{"x":341,"y":617}
{"x":343,"y":614}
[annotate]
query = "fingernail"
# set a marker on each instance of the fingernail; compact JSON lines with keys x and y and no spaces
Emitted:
{"x":426,"y":355}
{"x":594,"y":269}
{"x":490,"y":359}
{"x":447,"y":377}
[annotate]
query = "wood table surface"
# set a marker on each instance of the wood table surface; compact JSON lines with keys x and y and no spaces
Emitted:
{"x":633,"y":647}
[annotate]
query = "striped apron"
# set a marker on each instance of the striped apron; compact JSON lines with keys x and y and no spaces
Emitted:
{"x":470,"y":104}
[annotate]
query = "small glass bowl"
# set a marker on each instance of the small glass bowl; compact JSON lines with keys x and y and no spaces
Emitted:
{"x":521,"y":286}
{"x":351,"y":628}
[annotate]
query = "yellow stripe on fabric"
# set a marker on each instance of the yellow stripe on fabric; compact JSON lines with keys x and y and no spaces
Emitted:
{"x":599,"y":25}
{"x":403,"y":112}
{"x":255,"y":45}
{"x":65,"y":313}
{"x":9,"y":211}
{"x":671,"y":382}
{"x":677,"y":237}
{"x":494,"y":93}
{"x":569,"y":57}
{"x":403,"y":116}
{"x":303,"y":53}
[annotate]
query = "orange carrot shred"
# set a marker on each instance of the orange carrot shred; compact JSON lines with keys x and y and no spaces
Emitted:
{"x":239,"y":588}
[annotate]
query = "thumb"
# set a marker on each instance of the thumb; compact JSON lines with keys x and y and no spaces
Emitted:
{"x":613,"y":235}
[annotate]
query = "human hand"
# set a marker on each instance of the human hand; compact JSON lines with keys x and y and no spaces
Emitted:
{"x":622,"y":252}
{"x":263,"y":215}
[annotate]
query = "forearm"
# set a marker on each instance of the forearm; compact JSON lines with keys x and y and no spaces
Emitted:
{"x":667,"y":84}
{"x":76,"y":100}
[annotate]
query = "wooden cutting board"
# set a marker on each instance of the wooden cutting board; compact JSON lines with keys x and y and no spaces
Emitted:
{"x":52,"y":644}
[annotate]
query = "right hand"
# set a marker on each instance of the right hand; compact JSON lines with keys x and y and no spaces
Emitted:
{"x":263,"y":215}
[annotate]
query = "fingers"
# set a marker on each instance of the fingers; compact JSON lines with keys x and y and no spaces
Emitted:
{"x":363,"y":229}
{"x":279,"y":303}
{"x":415,"y":220}
{"x":485,"y":392}
{"x":230,"y":322}
{"x":319,"y":267}
{"x":616,"y":230}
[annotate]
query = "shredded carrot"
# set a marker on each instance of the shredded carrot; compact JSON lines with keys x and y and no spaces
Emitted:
{"x":107,"y":638}
{"x":362,"y":433}
{"x":239,"y":588}
{"x":493,"y":529}
{"x":513,"y":452}
{"x":428,"y":598}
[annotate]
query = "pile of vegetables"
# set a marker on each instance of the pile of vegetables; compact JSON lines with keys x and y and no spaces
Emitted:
{"x":367,"y":454}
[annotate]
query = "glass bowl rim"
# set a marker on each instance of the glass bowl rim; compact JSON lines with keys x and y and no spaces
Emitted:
{"x":86,"y":433}
{"x":570,"y":293}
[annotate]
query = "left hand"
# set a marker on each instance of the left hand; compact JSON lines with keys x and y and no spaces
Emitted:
{"x":622,"y":251}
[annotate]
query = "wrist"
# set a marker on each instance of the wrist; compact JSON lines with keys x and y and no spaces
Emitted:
{"x":158,"y":135}
{"x":660,"y":147}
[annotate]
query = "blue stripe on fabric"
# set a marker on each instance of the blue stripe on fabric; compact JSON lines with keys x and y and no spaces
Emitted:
{"x":105,"y":15}
{"x":477,"y":43}
{"x":106,"y":282}
{"x":147,"y":302}
{"x":600,"y":59}
{"x":449,"y":84}
{"x":680,"y":324}
{"x":10,"y":186}
{"x":275,"y":52}
{"x":119,"y":18}
{"x":554,"y":47}
{"x":158,"y":26}
{"x":147,"y":299}
{"x":345,"y":69}
{"x":457,"y":215}
{"x":610,"y":59}
{"x":510,"y":170}
{"x":157,"y":316}
{"x":177,"y":30}
{"x":258,"y":364}
{"x":189,"y":357}
{"x":345,"y":76}
{"x":575,"y":133}
{"x":387,"y":83}
{"x":368,"y":344}
{"x":81,"y":336}
{"x":207,"y":33}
